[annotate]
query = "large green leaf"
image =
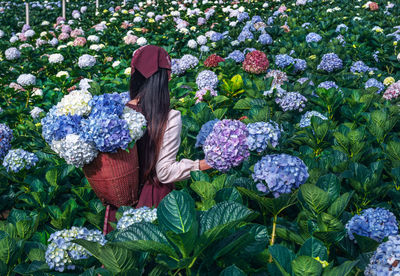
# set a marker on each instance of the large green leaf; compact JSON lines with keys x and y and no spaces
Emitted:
{"x":343,"y":270}
{"x":31,"y":269}
{"x":340,"y":204}
{"x":223,"y":213}
{"x":313,"y":248}
{"x":52,"y":176}
{"x":305,"y":265}
{"x":330,"y":183}
{"x":176,"y":212}
{"x":204,"y":189}
{"x":365,"y":243}
{"x":315,"y":198}
{"x":228,"y":194}
{"x":140,"y":231}
{"x":282,"y":257}
{"x":8,"y":249}
{"x":232,"y":270}
{"x":289,"y":235}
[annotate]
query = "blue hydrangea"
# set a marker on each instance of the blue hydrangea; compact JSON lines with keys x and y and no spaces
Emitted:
{"x":359,"y":67}
{"x":279,"y":174}
{"x":299,"y":65}
{"x":216,"y":37}
{"x":270,"y":20}
{"x":245,"y":34}
{"x":237,"y":56}
{"x":262,"y":134}
{"x":283,"y":61}
{"x":386,"y":258}
{"x":304,"y":79}
{"x":175,"y":68}
{"x":375,"y":83}
{"x":306,"y":25}
{"x":57,"y":127}
{"x":305,"y":120}
{"x":132,"y":216}
{"x":106,"y":104}
{"x":330,"y":62}
{"x":255,"y":19}
{"x":373,"y":223}
{"x":243,"y":16}
{"x":18,"y":159}
{"x":188,"y":62}
{"x":125,"y":97}
{"x":204,"y":132}
{"x":313,"y":37}
{"x":341,"y":26}
{"x":265,"y":39}
{"x":207,"y":79}
{"x":328,"y":85}
{"x":107,"y":132}
{"x":6,"y":135}
{"x":291,"y":101}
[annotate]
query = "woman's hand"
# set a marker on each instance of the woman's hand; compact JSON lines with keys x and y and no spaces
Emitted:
{"x":204,"y":166}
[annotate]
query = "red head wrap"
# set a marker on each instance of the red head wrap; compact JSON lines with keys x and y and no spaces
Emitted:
{"x":148,"y":59}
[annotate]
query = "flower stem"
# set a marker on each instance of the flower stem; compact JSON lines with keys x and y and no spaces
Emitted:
{"x":273,"y":235}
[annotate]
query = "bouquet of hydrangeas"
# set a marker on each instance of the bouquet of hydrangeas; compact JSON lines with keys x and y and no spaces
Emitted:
{"x":61,"y":251}
{"x":81,"y":125}
{"x":132,"y":216}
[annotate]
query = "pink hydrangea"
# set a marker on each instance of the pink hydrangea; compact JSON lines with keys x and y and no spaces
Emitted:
{"x":392,"y":92}
{"x":80,"y":41}
{"x":130,"y":39}
{"x":63,"y":36}
{"x":66,"y":29}
{"x":76,"y":33}
{"x":256,"y":62}
{"x":22,"y":37}
{"x":200,"y":93}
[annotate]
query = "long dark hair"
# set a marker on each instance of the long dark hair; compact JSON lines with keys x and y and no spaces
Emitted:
{"x":154,"y":103}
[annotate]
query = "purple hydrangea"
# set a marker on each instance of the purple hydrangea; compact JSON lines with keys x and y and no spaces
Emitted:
{"x":107,"y":132}
{"x":283,"y":61}
{"x":265,"y":39}
{"x":386,"y":258}
{"x":262,"y":134}
{"x":292,"y":101}
{"x":279,"y":174}
{"x":299,"y":65}
{"x":243,"y":16}
{"x":330,"y":62}
{"x":57,"y":127}
{"x":359,"y":67}
{"x":204,"y":132}
{"x":373,"y":223}
{"x":303,"y":80}
{"x":255,"y":19}
{"x":6,"y":135}
{"x":237,"y":56}
{"x":175,"y":68}
{"x":207,"y":79}
{"x":328,"y":85}
{"x":106,"y":104}
{"x":375,"y":83}
{"x":313,"y":37}
{"x":19,"y":159}
{"x":188,"y":62}
{"x":226,"y":146}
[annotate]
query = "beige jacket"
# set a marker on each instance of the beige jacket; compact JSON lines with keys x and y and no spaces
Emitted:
{"x":167,"y":168}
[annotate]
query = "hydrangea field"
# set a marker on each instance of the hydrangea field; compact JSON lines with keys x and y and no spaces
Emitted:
{"x":294,"y":104}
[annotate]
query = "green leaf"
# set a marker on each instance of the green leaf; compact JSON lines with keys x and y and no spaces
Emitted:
{"x":243,"y":104}
{"x":313,"y":248}
{"x":316,"y":199}
{"x":145,"y":231}
{"x":340,"y":204}
{"x":204,"y":189}
{"x":282,"y":257}
{"x":305,"y":265}
{"x":8,"y":248}
{"x":220,"y":99}
{"x":365,"y":243}
{"x":33,"y":268}
{"x":330,"y":183}
{"x":220,"y":112}
{"x":228,"y":194}
{"x":343,"y":270}
{"x":176,"y":212}
{"x":199,"y":176}
{"x":237,"y":82}
{"x":232,"y":270}
{"x":52,"y":176}
{"x":327,"y":222}
{"x":288,"y":235}
{"x":219,"y":182}
{"x":149,"y":246}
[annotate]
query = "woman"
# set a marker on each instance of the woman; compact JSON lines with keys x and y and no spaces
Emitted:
{"x":157,"y":149}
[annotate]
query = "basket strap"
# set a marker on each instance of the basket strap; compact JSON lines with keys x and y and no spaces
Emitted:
{"x":106,"y":220}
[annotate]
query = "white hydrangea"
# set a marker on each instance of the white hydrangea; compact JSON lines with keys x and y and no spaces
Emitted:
{"x":62,"y":73}
{"x":74,"y":150}
{"x":1,"y":33}
{"x":86,"y":61}
{"x":26,"y":79}
{"x":75,"y":103}
{"x":53,"y":42}
{"x":201,"y":39}
{"x":192,"y":44}
{"x":136,"y":122}
{"x":137,"y":19}
{"x":116,"y":63}
{"x":56,"y":58}
{"x":93,"y":38}
{"x":84,"y":84}
{"x":96,"y":47}
{"x":132,"y":216}
{"x":35,"y":112}
{"x":141,"y":41}
{"x":25,"y":45}
{"x":37,"y":92}
{"x":45,"y":23}
{"x":12,"y":53}
{"x":29,"y":33}
{"x":13,"y":39}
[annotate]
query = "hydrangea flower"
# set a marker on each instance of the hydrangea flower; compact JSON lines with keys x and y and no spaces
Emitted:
{"x":243,"y":16}
{"x":132,"y":216}
{"x":6,"y":135}
{"x":237,"y":56}
{"x":200,"y":93}
{"x":56,"y":127}
{"x":86,"y":61}
{"x":373,"y":223}
{"x":207,"y":79}
{"x":136,"y":122}
{"x":201,"y":39}
{"x":26,"y":79}
{"x":375,"y":83}
{"x":107,"y":131}
{"x":313,"y":37}
{"x":188,"y":62}
{"x":192,"y":44}
{"x":245,"y":34}
{"x":359,"y":67}
{"x":109,"y":103}
{"x":292,"y":101}
{"x":299,"y":65}
{"x":330,"y":62}
{"x":265,"y":39}
{"x":213,"y":60}
{"x":61,"y":251}
{"x":328,"y":85}
{"x":256,"y":62}
{"x":262,"y":134}
{"x":392,"y":92}
{"x":279,"y":77}
{"x":74,"y":150}
{"x":341,"y":26}
{"x":12,"y":53}
{"x":56,"y":58}
{"x":204,"y":132}
{"x":35,"y":112}
{"x":226,"y":146}
{"x":305,"y":120}
{"x":75,"y":103}
{"x":283,"y":61}
{"x":279,"y":174}
{"x":18,"y":159}
{"x":386,"y":258}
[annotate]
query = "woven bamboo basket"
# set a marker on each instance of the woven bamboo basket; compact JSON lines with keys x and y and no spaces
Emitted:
{"x":114,"y":177}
